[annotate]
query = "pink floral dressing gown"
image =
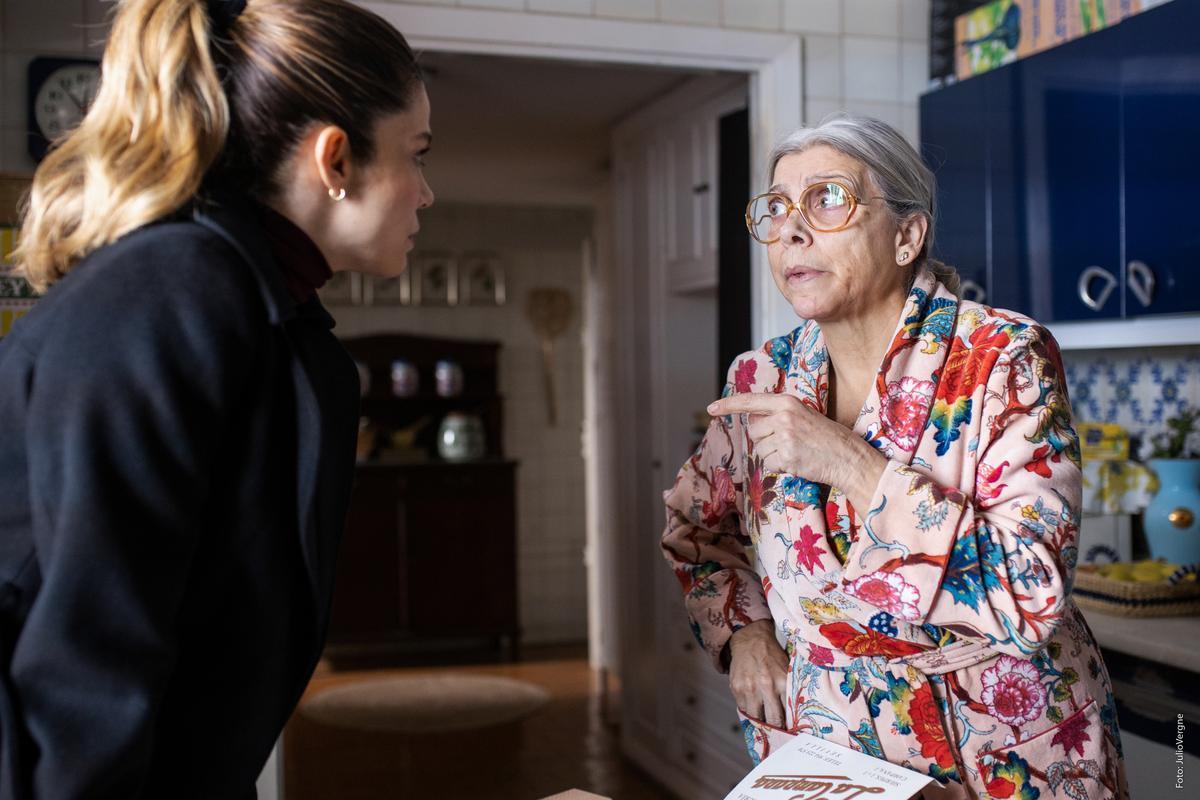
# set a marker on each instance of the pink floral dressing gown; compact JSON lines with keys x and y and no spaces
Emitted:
{"x":935,"y":628}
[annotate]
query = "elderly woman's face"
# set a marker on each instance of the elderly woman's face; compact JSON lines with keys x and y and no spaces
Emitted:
{"x":828,"y":276}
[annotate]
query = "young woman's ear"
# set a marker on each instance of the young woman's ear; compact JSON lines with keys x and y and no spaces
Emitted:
{"x":331,"y":156}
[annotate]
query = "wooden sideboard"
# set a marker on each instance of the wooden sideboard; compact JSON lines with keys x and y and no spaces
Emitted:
{"x":428,"y":559}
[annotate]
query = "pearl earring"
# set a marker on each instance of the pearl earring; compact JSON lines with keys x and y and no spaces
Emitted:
{"x":337,"y":196}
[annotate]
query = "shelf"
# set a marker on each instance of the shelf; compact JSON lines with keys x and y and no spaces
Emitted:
{"x":1117,"y":334}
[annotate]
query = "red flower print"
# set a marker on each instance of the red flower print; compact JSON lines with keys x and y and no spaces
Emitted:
{"x":967,"y":367}
{"x":808,"y":554}
{"x":1040,"y":464}
{"x":743,"y":377}
{"x":1072,"y":734}
{"x":759,"y":491}
{"x":721,"y":497}
{"x":890,"y":592}
{"x":821,"y":656}
{"x":1011,"y":691}
{"x":905,"y":408}
{"x":854,"y":641}
{"x":986,"y":486}
{"x":928,"y":728}
{"x":1001,"y":787}
{"x":832,"y":512}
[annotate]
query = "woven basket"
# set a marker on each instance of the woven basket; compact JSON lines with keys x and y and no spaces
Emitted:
{"x":1129,"y":599}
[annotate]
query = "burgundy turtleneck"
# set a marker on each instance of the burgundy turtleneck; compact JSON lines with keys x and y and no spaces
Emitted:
{"x":303,"y":266}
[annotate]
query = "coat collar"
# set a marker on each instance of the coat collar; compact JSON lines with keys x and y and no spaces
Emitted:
{"x":238,"y":222}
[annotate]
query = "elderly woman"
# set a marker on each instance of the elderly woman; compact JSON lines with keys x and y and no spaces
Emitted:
{"x":892,"y":489}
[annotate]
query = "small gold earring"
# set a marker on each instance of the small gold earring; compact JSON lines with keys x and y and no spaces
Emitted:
{"x":337,"y":196}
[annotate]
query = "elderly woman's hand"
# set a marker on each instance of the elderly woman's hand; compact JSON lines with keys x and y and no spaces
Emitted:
{"x":758,"y":669}
{"x":791,"y":438}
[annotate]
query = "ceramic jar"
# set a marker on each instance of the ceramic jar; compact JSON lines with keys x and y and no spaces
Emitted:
{"x":461,"y":437}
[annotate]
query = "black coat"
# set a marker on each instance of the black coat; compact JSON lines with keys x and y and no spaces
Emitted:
{"x":176,"y":457}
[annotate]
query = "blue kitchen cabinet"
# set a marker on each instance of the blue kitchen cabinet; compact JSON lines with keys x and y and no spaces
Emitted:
{"x":1063,"y":112}
{"x":1160,"y":117}
{"x":953,"y":148}
{"x":1086,"y":164}
{"x":1009,"y":284}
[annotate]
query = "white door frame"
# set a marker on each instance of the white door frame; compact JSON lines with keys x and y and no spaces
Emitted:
{"x":772,"y":60}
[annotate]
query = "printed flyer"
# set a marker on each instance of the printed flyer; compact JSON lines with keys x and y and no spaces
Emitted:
{"x":808,"y":768}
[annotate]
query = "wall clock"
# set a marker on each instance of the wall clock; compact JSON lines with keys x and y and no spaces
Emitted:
{"x":60,"y":92}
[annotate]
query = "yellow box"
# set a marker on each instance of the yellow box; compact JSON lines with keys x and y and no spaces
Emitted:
{"x":1103,"y":441}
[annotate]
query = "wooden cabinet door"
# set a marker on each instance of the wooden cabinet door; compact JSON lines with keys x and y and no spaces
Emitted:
{"x":459,"y":548}
{"x":368,"y":604}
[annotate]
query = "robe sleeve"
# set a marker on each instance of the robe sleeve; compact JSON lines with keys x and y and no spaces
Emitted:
{"x":705,"y":545}
{"x":994,"y":565}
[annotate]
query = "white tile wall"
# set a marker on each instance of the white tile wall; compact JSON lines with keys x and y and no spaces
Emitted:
{"x":627,"y":9}
{"x":539,"y":247}
{"x":871,"y":69}
{"x":44,"y":27}
{"x":914,"y":19}
{"x":756,"y":14}
{"x":510,"y":5}
{"x":818,"y":108}
{"x":812,"y":16}
{"x":823,"y":66}
{"x":583,"y":7}
{"x":696,"y":12}
{"x":914,"y":68}
{"x":871,"y":17}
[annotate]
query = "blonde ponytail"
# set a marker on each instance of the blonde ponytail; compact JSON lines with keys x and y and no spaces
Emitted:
{"x":158,"y":123}
{"x":181,"y":112}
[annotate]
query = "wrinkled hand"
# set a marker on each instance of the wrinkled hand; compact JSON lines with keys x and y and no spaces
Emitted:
{"x":758,"y":669}
{"x":793,"y":439}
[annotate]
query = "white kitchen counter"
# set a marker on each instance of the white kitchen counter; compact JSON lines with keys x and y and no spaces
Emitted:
{"x":1167,"y":640}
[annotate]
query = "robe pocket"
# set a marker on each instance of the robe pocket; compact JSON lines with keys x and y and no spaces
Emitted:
{"x":1067,"y":760}
{"x":762,"y":739}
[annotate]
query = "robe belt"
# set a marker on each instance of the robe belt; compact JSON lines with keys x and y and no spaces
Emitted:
{"x":955,"y":656}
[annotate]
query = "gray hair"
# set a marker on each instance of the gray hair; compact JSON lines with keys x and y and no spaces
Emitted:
{"x":894,"y":167}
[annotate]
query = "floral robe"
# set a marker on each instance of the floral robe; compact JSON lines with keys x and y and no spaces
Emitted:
{"x":933,"y":629}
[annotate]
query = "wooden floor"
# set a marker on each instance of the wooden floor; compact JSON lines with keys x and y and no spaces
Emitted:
{"x":566,"y":745}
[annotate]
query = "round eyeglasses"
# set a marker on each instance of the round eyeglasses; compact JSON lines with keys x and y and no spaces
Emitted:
{"x":826,"y":207}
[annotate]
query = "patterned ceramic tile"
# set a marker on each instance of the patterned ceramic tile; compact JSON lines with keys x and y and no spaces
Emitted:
{"x":1136,"y":389}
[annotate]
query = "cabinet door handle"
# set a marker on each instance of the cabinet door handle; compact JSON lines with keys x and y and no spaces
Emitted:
{"x":1141,"y":281}
{"x":1095,"y":303}
{"x":970,"y":290}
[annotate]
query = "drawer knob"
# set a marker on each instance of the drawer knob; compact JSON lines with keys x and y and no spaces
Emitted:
{"x":690,"y":700}
{"x":689,"y":646}
{"x":690,"y":756}
{"x":1181,"y":517}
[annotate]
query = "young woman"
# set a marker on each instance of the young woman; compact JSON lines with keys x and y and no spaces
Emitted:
{"x":177,"y":421}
